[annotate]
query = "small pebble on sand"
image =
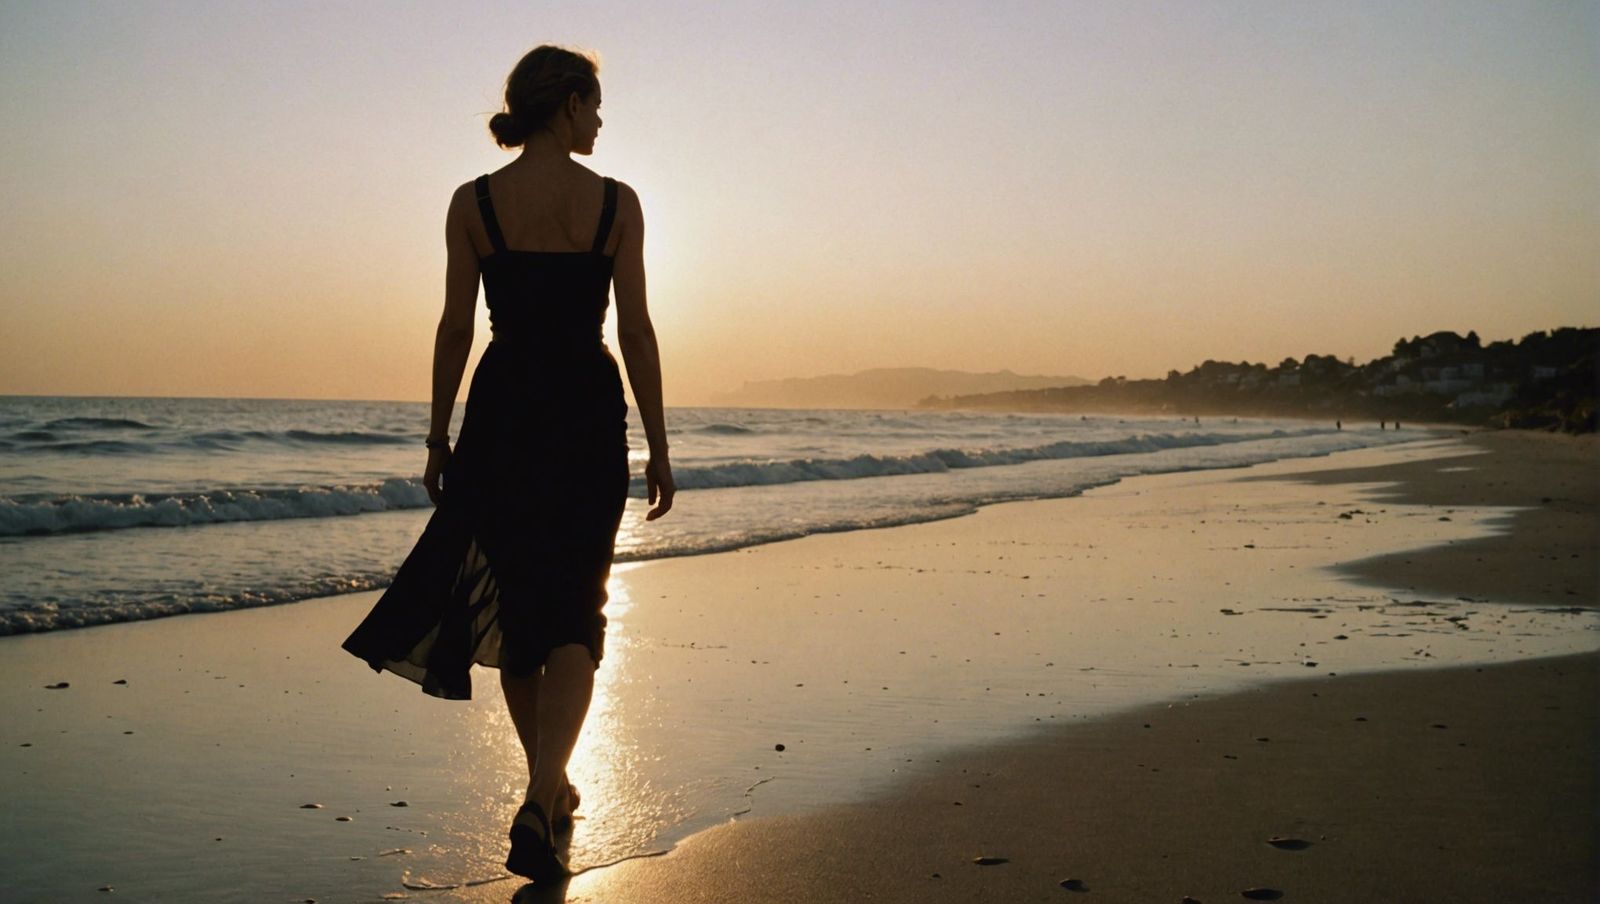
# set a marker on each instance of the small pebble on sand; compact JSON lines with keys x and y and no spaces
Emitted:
{"x":341,"y":819}
{"x":57,"y":686}
{"x":989,"y":861}
{"x":1073,"y":884}
{"x":1288,"y":844}
{"x":311,"y":806}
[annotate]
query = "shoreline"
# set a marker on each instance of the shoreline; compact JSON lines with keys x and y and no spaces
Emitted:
{"x":685,"y":723}
{"x":1549,"y":519}
{"x":339,"y":584}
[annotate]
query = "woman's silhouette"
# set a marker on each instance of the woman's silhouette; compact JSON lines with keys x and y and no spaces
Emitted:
{"x":511,"y":569}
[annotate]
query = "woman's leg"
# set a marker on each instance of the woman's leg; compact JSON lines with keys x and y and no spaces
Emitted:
{"x":549,"y":713}
{"x":522,"y":701}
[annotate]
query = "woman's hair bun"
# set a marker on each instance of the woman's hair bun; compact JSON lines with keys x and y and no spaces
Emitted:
{"x":537,"y":87}
{"x":508,"y":131}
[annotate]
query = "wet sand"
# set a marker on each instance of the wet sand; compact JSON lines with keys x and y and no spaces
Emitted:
{"x":1464,"y":784}
{"x":1461,"y":785}
{"x":1544,"y":548}
{"x":1008,"y":660}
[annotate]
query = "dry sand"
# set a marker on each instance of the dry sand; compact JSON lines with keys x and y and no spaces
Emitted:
{"x":1035,"y":635}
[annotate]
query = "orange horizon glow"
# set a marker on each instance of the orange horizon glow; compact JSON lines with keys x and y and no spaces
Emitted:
{"x":228,"y":207}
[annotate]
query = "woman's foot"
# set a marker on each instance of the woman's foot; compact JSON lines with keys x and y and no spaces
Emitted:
{"x":533,"y":853}
{"x":561,"y":811}
{"x":562,"y":821}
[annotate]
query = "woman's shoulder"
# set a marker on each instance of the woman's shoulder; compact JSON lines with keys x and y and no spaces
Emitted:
{"x":462,"y":200}
{"x":627,"y":198}
{"x":466,"y":193}
{"x":622,"y":187}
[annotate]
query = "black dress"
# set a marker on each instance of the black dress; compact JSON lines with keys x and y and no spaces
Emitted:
{"x":514,"y":560}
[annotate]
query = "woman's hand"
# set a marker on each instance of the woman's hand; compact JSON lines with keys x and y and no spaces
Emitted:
{"x":437,"y":459}
{"x":658,"y":481}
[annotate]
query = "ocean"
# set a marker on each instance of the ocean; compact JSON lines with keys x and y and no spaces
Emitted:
{"x":119,"y":509}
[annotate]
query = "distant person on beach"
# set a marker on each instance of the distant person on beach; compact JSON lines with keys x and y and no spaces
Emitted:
{"x":511,"y":570}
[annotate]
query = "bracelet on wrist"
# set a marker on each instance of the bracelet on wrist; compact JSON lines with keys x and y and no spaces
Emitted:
{"x":437,"y":442}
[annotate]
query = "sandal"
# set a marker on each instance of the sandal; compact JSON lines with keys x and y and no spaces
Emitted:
{"x":532,"y":856}
{"x":563,"y":824}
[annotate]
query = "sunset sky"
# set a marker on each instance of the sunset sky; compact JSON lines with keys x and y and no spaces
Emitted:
{"x":247,"y":199}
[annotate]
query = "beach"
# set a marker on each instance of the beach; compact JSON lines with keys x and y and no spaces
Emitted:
{"x":1386,"y":659}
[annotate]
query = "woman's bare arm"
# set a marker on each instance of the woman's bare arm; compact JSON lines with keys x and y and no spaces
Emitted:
{"x":452,"y":341}
{"x":637,"y":337}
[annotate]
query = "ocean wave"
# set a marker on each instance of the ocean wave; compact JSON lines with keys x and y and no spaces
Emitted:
{"x":51,"y":616}
{"x":77,"y":514}
{"x":742,"y":474}
{"x":351,"y":437}
{"x":96,"y":423}
{"x":723,"y":429}
{"x":276,"y":575}
{"x":94,"y":447}
{"x":49,"y":439}
{"x":82,"y":513}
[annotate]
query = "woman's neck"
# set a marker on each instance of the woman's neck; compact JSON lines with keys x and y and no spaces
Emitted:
{"x":545,"y":147}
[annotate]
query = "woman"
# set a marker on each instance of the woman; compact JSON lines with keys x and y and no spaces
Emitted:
{"x":511,"y":569}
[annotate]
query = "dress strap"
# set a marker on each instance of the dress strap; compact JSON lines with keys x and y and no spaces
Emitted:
{"x":486,"y":208}
{"x":608,"y":212}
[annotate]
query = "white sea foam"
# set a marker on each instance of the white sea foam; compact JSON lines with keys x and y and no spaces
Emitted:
{"x":88,"y":513}
{"x":221,"y":504}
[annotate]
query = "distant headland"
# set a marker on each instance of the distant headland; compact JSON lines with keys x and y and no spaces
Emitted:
{"x":1545,"y":380}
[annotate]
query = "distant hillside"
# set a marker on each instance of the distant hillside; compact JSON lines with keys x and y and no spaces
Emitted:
{"x":1546,"y":380}
{"x":880,"y":387}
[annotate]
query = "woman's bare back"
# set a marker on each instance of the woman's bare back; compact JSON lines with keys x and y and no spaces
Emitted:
{"x":545,"y":208}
